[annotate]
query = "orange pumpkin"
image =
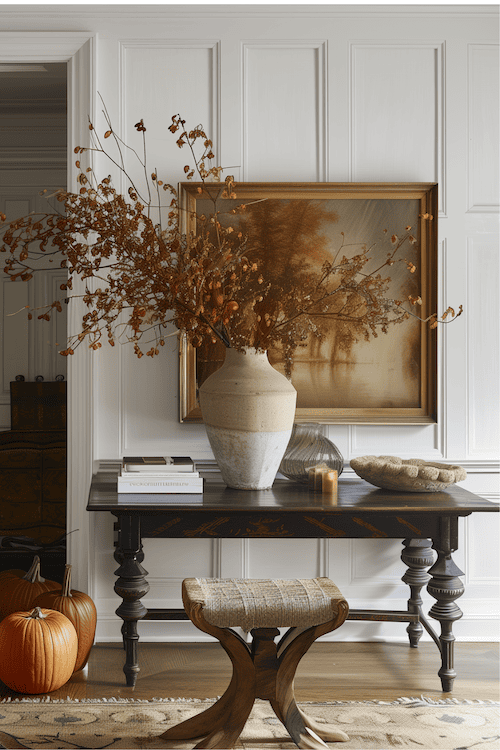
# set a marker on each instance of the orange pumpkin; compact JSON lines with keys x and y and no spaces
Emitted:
{"x":37,"y":651}
{"x":79,"y":609}
{"x":18,"y":590}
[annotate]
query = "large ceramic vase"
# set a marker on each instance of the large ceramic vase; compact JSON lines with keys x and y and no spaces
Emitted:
{"x":248,"y":409}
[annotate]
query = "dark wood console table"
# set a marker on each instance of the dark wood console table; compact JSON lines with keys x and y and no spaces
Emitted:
{"x":424,"y":522}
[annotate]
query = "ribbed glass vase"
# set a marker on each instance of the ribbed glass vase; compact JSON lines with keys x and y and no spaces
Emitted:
{"x":308,"y":447}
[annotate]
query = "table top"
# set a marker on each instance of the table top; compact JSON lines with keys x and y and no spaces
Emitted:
{"x":354,"y":495}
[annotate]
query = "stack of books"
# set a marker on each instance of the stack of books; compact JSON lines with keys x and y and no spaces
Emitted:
{"x":166,"y":475}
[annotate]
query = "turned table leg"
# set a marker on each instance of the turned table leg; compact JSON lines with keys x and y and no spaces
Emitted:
{"x":418,"y":556}
{"x":131,"y":586}
{"x":445,"y":586}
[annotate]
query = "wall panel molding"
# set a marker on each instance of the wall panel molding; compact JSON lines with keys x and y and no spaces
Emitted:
{"x":482,"y":575}
{"x":212,"y":127}
{"x":284,"y":119}
{"x":408,"y":441}
{"x":483,"y":334}
{"x":494,"y":497}
{"x":385,"y":112}
{"x":165,"y":588}
{"x":386,"y":551}
{"x":483,"y":154}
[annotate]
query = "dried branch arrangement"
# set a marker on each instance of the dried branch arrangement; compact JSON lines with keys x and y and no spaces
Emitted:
{"x":142,"y":272}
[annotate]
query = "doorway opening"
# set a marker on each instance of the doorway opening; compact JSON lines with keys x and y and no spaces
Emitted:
{"x":33,"y":436}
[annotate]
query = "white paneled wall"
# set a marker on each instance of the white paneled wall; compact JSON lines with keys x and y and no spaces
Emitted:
{"x":189,"y":76}
{"x":483,"y":127}
{"x":283,"y":100}
{"x":397,"y":112}
{"x":483,"y":374}
{"x":314,"y":93}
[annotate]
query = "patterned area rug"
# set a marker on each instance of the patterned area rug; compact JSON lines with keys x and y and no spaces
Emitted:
{"x":418,"y":723}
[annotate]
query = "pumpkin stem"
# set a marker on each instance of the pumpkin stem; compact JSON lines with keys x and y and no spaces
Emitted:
{"x":66,"y":586}
{"x":36,"y":614}
{"x":33,"y":574}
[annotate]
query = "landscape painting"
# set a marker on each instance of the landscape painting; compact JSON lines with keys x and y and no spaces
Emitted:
{"x":292,"y":230}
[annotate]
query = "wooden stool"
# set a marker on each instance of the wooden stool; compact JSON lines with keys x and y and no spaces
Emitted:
{"x":263,"y":669}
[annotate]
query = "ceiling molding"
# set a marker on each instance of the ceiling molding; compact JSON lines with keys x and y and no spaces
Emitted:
{"x":90,"y":13}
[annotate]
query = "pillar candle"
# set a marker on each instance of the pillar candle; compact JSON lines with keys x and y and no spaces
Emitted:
{"x":329,"y":481}
{"x":314,"y":474}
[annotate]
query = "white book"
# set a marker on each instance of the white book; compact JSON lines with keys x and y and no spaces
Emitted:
{"x":165,"y":498}
{"x":187,"y":484}
{"x":160,"y":474}
{"x":170,"y":476}
{"x":160,"y":464}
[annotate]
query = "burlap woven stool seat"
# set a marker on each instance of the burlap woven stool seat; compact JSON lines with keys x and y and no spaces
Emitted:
{"x":263,"y":669}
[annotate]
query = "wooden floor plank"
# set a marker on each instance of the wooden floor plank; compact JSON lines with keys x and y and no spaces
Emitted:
{"x":329,"y":671}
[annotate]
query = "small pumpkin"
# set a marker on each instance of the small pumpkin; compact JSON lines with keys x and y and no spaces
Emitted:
{"x":18,"y":590}
{"x":79,"y":609}
{"x":37,"y":651}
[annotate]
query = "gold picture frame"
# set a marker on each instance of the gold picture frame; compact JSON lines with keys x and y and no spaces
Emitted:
{"x":394,"y":382}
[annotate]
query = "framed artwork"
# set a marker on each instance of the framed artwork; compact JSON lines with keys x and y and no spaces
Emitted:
{"x":387,"y":379}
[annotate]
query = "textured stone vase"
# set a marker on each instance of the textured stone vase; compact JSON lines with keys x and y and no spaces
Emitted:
{"x":248,"y":408}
